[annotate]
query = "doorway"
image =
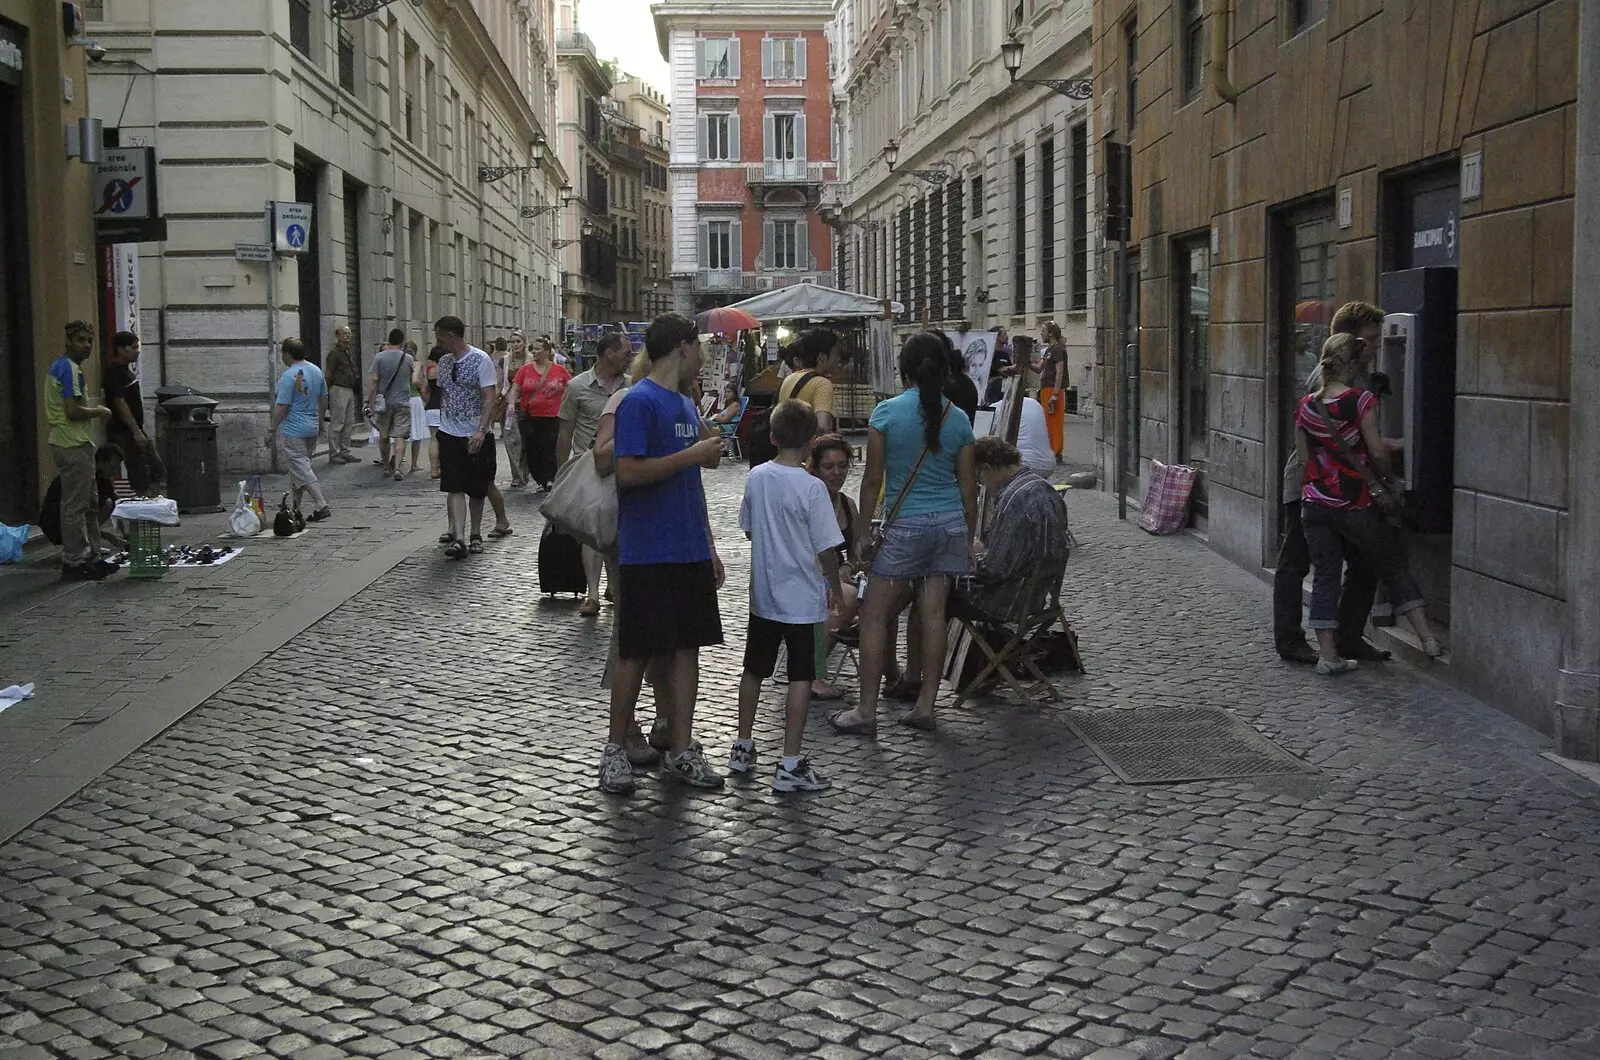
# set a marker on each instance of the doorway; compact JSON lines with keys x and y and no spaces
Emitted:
{"x":1306,"y":262}
{"x":307,"y":182}
{"x":1194,"y":363}
{"x":1128,"y":345}
{"x":20,"y":392}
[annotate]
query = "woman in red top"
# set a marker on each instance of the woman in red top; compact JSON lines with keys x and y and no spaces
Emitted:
{"x":536,"y":394}
{"x":1336,"y":502}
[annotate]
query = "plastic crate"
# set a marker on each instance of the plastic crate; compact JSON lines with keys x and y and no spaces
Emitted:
{"x":144,"y":550}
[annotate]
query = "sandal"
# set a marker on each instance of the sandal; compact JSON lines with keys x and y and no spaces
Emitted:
{"x":903,"y":690}
{"x":501,"y":531}
{"x":590,"y":608}
{"x":457,"y":549}
{"x":852,"y":728}
{"x":829,"y":692}
{"x":476,"y":544}
{"x":924,"y":722}
{"x":446,"y":537}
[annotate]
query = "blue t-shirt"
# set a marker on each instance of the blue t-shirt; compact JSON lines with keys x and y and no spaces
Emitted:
{"x":899,"y":420}
{"x":664,"y":522}
{"x":301,"y":387}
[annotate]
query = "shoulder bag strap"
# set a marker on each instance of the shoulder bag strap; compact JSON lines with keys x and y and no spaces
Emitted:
{"x":1340,"y":446}
{"x":912,"y":478}
{"x":393,"y":372}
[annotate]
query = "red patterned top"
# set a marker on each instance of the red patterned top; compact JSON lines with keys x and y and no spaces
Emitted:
{"x":1330,"y":480}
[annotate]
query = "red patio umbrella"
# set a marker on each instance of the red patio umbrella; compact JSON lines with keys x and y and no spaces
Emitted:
{"x":1314,"y":311}
{"x":725,"y":320}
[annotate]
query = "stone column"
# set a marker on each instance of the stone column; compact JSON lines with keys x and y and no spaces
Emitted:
{"x":1577,"y":708}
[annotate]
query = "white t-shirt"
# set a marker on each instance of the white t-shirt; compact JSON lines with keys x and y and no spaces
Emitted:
{"x":461,"y":386}
{"x":1033,"y":438}
{"x":789,"y":518}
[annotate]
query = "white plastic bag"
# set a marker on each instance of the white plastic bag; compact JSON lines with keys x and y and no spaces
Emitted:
{"x":244,"y":522}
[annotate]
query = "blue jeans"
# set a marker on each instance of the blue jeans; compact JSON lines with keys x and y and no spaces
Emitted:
{"x":923,"y":546}
{"x":1330,"y":532}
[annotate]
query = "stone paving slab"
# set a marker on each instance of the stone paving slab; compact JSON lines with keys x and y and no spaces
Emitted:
{"x":392,"y":846}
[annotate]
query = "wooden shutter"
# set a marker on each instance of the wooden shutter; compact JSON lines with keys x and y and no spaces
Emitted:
{"x":735,"y":245}
{"x":802,"y":244}
{"x":766,"y":58}
{"x":704,"y":236}
{"x":733,"y":58}
{"x":769,"y":255}
{"x":700,"y":136}
{"x":733,"y":137}
{"x":768,"y":131}
{"x":699,"y":58}
{"x":800,"y":137}
{"x":800,"y":59}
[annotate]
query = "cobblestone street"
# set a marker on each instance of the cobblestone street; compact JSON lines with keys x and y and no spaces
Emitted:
{"x":384,"y":839}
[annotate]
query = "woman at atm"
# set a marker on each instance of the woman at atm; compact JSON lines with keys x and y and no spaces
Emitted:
{"x":1346,"y":466}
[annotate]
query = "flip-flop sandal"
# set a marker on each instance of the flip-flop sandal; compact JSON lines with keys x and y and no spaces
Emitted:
{"x":852,"y":728}
{"x":475,"y":546}
{"x":831,"y":695}
{"x":501,"y":532}
{"x":456,"y":550}
{"x":924,"y":722}
{"x":445,"y":539}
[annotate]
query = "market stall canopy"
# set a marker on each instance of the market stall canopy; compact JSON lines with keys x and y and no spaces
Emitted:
{"x":802,"y":301}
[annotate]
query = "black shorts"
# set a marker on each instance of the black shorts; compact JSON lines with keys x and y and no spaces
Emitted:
{"x":666,"y":607}
{"x":462,"y":471}
{"x":761,"y":648}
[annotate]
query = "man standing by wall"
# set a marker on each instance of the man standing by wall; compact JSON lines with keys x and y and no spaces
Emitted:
{"x":582,"y":404}
{"x":339,"y":369}
{"x":71,"y":422}
{"x":126,"y":426}
{"x":297,"y":412}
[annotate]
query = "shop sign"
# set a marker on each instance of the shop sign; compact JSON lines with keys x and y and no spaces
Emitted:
{"x":11,"y":54}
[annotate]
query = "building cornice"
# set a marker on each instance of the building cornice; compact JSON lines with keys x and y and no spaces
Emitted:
{"x":762,"y":14}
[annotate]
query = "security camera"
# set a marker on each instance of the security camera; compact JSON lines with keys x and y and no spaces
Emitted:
{"x":95,"y":51}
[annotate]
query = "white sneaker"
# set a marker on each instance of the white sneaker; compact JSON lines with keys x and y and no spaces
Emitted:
{"x":1343,"y":666}
{"x":742,"y":759}
{"x":616,"y":772}
{"x":803,"y":777}
{"x":1432,"y":648}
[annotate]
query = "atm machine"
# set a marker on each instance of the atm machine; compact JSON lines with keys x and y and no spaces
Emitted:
{"x":1419,"y":359}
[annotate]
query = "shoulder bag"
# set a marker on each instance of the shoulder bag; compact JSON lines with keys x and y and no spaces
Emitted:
{"x":380,"y":404}
{"x":583,"y":504}
{"x":881,"y":531}
{"x":1385,"y":497}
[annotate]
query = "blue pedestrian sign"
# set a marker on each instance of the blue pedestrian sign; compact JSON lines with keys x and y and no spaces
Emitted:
{"x":291,"y":226}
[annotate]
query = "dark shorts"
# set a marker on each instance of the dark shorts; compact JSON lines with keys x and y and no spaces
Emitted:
{"x":666,"y":607}
{"x":761,"y":648}
{"x":462,"y":471}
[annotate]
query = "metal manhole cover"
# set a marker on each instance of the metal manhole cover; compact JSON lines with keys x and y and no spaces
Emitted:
{"x":1167,"y":745}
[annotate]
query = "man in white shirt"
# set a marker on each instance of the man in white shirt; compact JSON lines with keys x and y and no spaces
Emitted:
{"x":468,"y":388}
{"x":1033,"y":439}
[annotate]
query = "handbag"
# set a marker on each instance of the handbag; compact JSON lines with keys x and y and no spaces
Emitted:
{"x":881,"y":532}
{"x":1385,"y":497}
{"x":583,"y":504}
{"x":380,"y":404}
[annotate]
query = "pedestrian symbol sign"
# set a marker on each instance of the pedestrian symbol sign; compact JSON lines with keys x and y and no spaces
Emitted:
{"x":122,"y":185}
{"x":291,"y":226}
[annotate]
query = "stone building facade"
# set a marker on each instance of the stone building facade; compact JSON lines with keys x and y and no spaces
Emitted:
{"x":585,"y":237}
{"x":383,"y":124}
{"x":996,"y":228}
{"x":751,"y":146}
{"x":645,"y":107}
{"x":1416,"y":154}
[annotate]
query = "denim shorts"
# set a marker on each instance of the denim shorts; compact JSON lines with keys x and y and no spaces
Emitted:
{"x":923,"y":546}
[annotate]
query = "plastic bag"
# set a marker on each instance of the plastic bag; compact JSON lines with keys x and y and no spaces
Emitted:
{"x":12,"y":538}
{"x":244,"y":522}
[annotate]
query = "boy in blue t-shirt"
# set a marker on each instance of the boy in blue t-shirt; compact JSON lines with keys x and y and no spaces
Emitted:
{"x":668,"y":572}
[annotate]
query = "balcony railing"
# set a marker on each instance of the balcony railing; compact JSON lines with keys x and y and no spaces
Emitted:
{"x":575,"y":40}
{"x":737,"y":280}
{"x":786,"y":170}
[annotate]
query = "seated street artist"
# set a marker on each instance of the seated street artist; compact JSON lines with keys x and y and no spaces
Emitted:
{"x":1026,"y":530}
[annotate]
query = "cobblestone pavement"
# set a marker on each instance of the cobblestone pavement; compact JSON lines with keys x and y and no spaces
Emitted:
{"x":386,"y":841}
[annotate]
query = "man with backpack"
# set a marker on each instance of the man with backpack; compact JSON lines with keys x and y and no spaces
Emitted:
{"x":816,"y":358}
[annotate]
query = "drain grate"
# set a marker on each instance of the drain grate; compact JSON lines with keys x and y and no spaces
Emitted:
{"x":1168,"y":745}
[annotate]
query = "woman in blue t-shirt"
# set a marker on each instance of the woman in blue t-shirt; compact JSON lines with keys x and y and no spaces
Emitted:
{"x":919,"y":462}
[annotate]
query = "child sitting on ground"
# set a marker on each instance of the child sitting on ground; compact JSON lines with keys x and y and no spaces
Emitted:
{"x":793,"y":532}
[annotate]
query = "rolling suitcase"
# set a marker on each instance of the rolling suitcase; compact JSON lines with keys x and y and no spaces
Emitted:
{"x":561,"y":564}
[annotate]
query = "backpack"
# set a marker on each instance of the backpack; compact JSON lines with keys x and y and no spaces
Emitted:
{"x":757,"y":426}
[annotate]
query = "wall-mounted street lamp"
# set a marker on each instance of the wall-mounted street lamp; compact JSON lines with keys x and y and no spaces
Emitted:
{"x":566,"y":200}
{"x":352,"y":9}
{"x":865,"y":226}
{"x":936,"y":177}
{"x":587,"y":229}
{"x":490,"y":174}
{"x":1071,"y":87}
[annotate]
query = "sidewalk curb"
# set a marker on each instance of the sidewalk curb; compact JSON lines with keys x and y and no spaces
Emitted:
{"x":68,"y":769}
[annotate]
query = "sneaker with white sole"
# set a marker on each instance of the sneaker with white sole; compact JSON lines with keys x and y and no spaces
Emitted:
{"x":1432,"y":648}
{"x":660,"y":739}
{"x":803,"y":777}
{"x":616,"y":772}
{"x":742,"y":759}
{"x":691,"y":768}
{"x":1330,"y":669}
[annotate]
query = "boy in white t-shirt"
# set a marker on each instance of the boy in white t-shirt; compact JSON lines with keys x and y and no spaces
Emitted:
{"x":794,"y":582}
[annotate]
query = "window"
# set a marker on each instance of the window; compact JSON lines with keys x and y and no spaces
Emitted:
{"x":1047,"y":227}
{"x":1079,"y":279}
{"x":955,"y":266}
{"x":1302,"y":13}
{"x":1191,"y":46}
{"x":919,"y":257}
{"x":786,"y":245}
{"x":785,"y":146}
{"x":720,"y":242}
{"x":347,"y":61}
{"x":300,"y":26}
{"x":719,"y":137}
{"x":1019,"y":234}
{"x":902,"y":272}
{"x":1308,"y":275}
{"x":718,"y":59}
{"x":936,"y":262}
{"x":977,"y":199}
{"x":783,"y":58}
{"x":1130,"y":64}
{"x":1194,"y":349}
